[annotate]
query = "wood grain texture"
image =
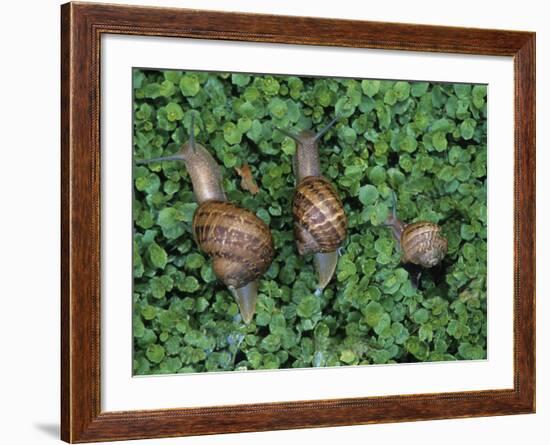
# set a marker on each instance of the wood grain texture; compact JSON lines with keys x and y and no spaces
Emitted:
{"x":81,"y":416}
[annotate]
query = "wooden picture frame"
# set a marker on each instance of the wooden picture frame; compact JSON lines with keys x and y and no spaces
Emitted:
{"x":82,"y":26}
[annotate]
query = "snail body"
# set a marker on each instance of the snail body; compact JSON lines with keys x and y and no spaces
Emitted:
{"x":238,"y":242}
{"x":320,"y":222}
{"x":421,"y":243}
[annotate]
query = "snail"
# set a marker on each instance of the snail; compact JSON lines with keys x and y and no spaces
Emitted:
{"x":239,"y":243}
{"x":320,"y":223}
{"x":421,"y":243}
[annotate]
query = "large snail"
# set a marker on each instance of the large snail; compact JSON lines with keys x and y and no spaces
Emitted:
{"x":239,"y":243}
{"x":421,"y":243}
{"x":320,"y":223}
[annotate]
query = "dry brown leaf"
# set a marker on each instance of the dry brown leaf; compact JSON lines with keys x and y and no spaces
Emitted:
{"x":247,"y":180}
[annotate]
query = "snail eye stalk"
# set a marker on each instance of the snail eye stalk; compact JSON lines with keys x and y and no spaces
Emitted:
{"x":327,"y":128}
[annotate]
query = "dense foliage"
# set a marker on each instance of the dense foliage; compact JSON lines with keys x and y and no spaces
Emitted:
{"x":425,"y":141}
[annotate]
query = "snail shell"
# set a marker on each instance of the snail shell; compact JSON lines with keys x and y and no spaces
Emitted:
{"x":320,"y":223}
{"x":239,"y":243}
{"x":423,"y":244}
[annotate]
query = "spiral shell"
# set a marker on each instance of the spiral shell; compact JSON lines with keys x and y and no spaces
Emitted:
{"x":239,"y":243}
{"x":320,"y":223}
{"x":423,"y":244}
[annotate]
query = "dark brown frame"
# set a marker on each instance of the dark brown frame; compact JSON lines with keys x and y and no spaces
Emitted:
{"x":81,"y":28}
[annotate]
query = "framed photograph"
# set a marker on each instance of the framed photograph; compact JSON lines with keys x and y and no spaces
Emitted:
{"x":274,"y":222}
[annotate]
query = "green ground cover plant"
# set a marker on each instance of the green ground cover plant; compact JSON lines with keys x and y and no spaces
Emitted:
{"x":425,"y":141}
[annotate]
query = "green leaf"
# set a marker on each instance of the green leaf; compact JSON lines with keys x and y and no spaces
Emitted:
{"x":383,"y":324}
{"x":167,"y":89}
{"x":421,"y":316}
{"x":467,"y":128}
{"x":155,"y":353}
{"x":174,"y":112}
{"x":467,"y":232}
{"x":373,"y":313}
{"x":379,"y":214}
{"x":171,"y":365}
{"x":170,"y":221}
{"x":457,"y":329}
{"x":231,"y":133}
{"x":271,"y":343}
{"x":370,"y":87}
{"x":406,"y":143}
{"x":479,"y":92}
{"x":377,"y":175}
{"x":194,"y":261}
{"x":402,"y":90}
{"x":157,"y":255}
{"x":308,"y":306}
{"x":471,"y":352}
{"x":152,"y":90}
{"x":277,"y":108}
{"x":158,"y":289}
{"x":446,"y":173}
{"x":462,"y":90}
{"x":186,"y":211}
{"x":270,"y":86}
{"x":419,"y":88}
{"x":240,"y":80}
{"x":439,"y":140}
{"x":190,"y":284}
{"x":399,"y":332}
{"x":138,"y":77}
{"x":417,"y":348}
{"x":353,"y":172}
{"x":138,"y":328}
{"x":347,"y":356}
{"x":344,"y":107}
{"x":148,"y":313}
{"x":368,"y":194}
{"x":149,"y":183}
{"x":173,"y":76}
{"x":381,"y":356}
{"x":189,"y":85}
{"x":346,"y":269}
{"x":438,"y":97}
{"x":390,"y":97}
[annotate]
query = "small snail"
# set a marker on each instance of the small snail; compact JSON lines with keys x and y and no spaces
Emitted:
{"x":421,"y":243}
{"x":239,"y":243}
{"x":320,"y":223}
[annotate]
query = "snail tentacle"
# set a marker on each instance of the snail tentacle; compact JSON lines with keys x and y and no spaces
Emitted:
{"x":395,"y":224}
{"x":176,"y":157}
{"x":320,"y":134}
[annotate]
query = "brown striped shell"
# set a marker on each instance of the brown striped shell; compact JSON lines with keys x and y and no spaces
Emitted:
{"x":239,"y":243}
{"x":423,"y":244}
{"x":320,"y":223}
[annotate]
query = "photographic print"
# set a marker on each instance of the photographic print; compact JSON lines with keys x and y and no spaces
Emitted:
{"x":288,"y":221}
{"x":306,"y":241}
